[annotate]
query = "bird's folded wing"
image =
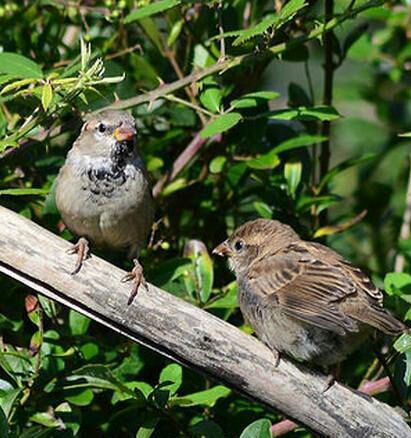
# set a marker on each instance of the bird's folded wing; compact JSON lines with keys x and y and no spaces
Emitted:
{"x":305,"y":288}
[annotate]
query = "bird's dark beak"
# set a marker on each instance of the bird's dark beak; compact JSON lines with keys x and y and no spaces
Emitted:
{"x":223,"y":249}
{"x":124,"y":134}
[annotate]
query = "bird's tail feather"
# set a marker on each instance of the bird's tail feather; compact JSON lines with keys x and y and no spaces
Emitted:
{"x":382,"y":320}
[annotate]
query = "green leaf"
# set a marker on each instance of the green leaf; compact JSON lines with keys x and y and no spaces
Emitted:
{"x":322,"y":113}
{"x":344,"y":166}
{"x":407,"y":374}
{"x":273,"y":21}
{"x":263,"y":209}
{"x":81,"y":397}
{"x":228,"y":301}
{"x":205,"y":275}
{"x":292,"y":174}
{"x":177,"y":184}
{"x":78,"y":323}
{"x":263,"y":162}
{"x":147,"y":428}
{"x":154,"y":163}
{"x":206,"y":429}
{"x":269,"y":21}
{"x":258,"y":429}
{"x":175,"y":32}
{"x":152,"y":32}
{"x":217,"y":164}
{"x":69,"y":417}
{"x":17,"y":84}
{"x":211,"y":98}
{"x":151,"y":9}
{"x":8,"y":396}
{"x":4,"y":427}
{"x":209,"y":397}
{"x":46,"y":96}
{"x":251,"y":100}
{"x":89,"y":376}
{"x":28,"y":191}
{"x":297,"y":142}
{"x":172,"y":374}
{"x":221,"y":124}
{"x":398,"y":283}
{"x":403,"y":343}
{"x":47,"y":419}
{"x":19,"y":66}
{"x":140,"y":392}
{"x":49,"y":306}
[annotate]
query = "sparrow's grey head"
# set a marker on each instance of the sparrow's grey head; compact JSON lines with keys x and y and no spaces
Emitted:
{"x":108,"y":134}
{"x":255,"y":239}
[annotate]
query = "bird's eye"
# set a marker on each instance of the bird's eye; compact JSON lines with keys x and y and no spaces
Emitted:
{"x":101,"y":127}
{"x":239,"y":245}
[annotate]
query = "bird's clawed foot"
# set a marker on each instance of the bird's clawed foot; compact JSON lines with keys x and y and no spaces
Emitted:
{"x":329,"y":382}
{"x":333,"y":374}
{"x":81,"y":248}
{"x":277,"y":357}
{"x":136,"y":275}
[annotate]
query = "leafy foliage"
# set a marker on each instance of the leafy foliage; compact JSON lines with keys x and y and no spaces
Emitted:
{"x":229,"y":101}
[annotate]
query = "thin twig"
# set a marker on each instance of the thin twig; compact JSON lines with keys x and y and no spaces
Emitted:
{"x":221,"y":30}
{"x":182,"y":160}
{"x":327,"y":99}
{"x":405,"y":227}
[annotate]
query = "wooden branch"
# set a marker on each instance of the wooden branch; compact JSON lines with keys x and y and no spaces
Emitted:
{"x":189,"y":335}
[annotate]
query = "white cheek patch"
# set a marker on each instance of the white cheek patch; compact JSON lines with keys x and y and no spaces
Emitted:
{"x":231,"y":264}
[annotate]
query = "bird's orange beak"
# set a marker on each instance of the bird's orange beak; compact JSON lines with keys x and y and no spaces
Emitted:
{"x":124,"y":134}
{"x":223,"y":249}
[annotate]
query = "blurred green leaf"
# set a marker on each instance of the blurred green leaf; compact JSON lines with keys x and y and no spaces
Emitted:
{"x":297,"y":142}
{"x":292,"y":174}
{"x":263,"y":162}
{"x":4,"y":427}
{"x":173,"y":375}
{"x":89,"y":376}
{"x":19,"y":192}
{"x":151,"y":9}
{"x":217,"y":164}
{"x":398,"y":283}
{"x":19,"y":66}
{"x":46,"y":96}
{"x":9,"y":395}
{"x":78,"y":323}
{"x":258,"y":429}
{"x":221,"y":124}
{"x":209,"y":397}
{"x":344,"y":166}
{"x":81,"y":397}
{"x":321,"y":113}
{"x":228,"y":301}
{"x":263,"y":209}
{"x":211,"y":98}
{"x":251,"y":100}
{"x":403,"y":343}
{"x":148,"y":427}
{"x":175,"y":32}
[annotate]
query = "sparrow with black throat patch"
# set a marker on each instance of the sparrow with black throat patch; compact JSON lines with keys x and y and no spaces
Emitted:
{"x":103,"y":191}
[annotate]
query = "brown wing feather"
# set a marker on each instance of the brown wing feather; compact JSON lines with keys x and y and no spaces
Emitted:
{"x":305,"y":288}
{"x":314,"y":284}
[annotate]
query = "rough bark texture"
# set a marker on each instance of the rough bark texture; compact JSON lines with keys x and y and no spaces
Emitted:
{"x":191,"y":336}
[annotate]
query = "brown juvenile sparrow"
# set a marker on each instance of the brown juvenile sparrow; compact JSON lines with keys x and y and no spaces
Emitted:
{"x":302,"y":298}
{"x":103,"y":192}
